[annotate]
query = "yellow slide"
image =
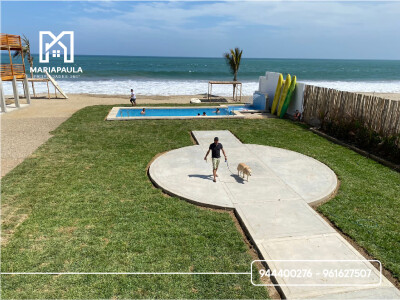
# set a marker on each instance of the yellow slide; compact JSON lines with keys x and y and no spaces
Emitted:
{"x":283,"y":94}
{"x":277,"y":93}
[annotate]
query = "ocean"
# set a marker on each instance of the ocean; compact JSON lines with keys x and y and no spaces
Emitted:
{"x":187,"y":76}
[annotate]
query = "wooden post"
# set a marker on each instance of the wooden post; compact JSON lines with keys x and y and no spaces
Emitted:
{"x":22,"y":54}
{"x":2,"y":98}
{"x":9,"y":55}
{"x":26,"y":89}
{"x":23,"y":88}
{"x":15,"y":90}
{"x":33,"y":89}
{"x":236,"y":92}
{"x":209,"y":100}
{"x":48,"y":90}
{"x":55,"y":91}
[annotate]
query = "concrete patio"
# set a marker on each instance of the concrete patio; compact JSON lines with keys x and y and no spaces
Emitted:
{"x":273,"y":207}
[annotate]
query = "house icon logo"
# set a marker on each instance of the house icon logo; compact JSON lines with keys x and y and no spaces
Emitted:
{"x":49,"y":43}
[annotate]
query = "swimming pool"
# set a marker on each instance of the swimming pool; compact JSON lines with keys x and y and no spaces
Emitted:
{"x":154,"y":112}
{"x":130,"y":113}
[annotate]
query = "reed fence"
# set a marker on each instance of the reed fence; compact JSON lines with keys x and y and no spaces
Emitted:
{"x":375,"y":113}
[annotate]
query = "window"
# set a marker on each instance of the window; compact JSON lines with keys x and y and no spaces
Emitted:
{"x":56,"y":53}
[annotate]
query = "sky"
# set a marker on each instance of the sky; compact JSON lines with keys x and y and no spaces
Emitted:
{"x":264,"y":29}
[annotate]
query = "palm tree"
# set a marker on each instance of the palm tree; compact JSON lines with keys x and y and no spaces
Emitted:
{"x":233,"y":59}
{"x":26,"y":51}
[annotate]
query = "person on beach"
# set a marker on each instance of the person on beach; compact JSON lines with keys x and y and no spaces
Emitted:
{"x":215,"y":148}
{"x":143,"y":111}
{"x":297,"y":116}
{"x":133,"y":98}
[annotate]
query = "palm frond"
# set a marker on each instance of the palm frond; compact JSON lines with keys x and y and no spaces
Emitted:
{"x":26,"y":50}
{"x":16,"y":53}
{"x":233,"y":58}
{"x":26,"y":40}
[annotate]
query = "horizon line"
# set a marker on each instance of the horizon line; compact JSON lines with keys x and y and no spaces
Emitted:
{"x":289,"y":58}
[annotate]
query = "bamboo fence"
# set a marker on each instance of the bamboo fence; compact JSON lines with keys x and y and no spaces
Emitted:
{"x":378,"y":114}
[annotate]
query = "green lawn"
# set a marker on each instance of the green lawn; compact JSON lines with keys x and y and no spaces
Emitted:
{"x":87,"y":205}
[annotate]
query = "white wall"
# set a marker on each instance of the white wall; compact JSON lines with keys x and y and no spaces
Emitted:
{"x":267,"y":85}
{"x":262,"y":84}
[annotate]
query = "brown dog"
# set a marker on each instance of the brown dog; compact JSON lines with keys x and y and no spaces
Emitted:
{"x":245,"y":169}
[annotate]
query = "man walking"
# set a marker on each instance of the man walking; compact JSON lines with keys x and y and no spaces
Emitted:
{"x":215,"y":148}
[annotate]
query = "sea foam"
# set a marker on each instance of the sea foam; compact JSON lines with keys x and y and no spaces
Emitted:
{"x":190,"y":87}
{"x":360,"y":86}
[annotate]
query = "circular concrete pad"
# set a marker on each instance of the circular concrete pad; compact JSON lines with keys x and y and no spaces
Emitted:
{"x":273,"y":209}
{"x":277,"y":175}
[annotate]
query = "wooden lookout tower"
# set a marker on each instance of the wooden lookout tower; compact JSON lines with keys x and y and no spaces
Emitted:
{"x":12,"y":72}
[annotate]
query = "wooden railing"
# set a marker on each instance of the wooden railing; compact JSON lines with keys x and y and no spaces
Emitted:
{"x":10,"y":40}
{"x":8,"y":71}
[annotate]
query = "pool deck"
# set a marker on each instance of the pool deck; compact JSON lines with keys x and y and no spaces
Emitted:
{"x":273,"y":208}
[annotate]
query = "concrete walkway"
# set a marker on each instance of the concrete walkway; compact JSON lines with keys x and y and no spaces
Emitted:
{"x":274,"y":209}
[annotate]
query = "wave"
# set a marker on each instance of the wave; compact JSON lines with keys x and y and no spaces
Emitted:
{"x":192,"y":87}
{"x":151,"y":87}
{"x":359,"y":86}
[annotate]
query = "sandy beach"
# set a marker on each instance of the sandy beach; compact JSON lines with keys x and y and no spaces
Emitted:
{"x":390,"y":96}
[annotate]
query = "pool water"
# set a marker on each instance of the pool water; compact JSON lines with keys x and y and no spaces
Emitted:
{"x":241,"y":107}
{"x":181,"y":112}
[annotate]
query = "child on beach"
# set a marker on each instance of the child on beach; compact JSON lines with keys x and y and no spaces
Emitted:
{"x":133,"y":98}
